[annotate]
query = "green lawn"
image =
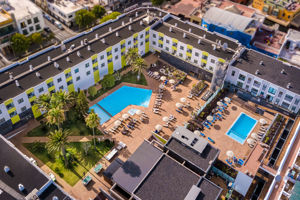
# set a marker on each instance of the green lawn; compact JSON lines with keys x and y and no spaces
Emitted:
{"x":130,"y":77}
{"x":82,"y":164}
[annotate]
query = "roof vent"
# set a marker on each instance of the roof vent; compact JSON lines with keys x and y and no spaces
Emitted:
{"x":6,"y":169}
{"x":288,"y":85}
{"x":72,"y":46}
{"x":136,"y":14}
{"x":123,"y":23}
{"x":219,"y":43}
{"x":103,"y":40}
{"x":110,"y":29}
{"x":117,"y":34}
{"x":184,"y":35}
{"x":55,"y":198}
{"x":68,"y":59}
{"x":63,"y":47}
{"x":56,"y":65}
{"x":225,"y":46}
{"x":89,"y":47}
{"x":199,"y":41}
{"x":214,"y":46}
{"x":190,"y":30}
{"x":261,"y":63}
{"x":141,"y":22}
{"x":21,"y":187}
{"x":170,"y":29}
{"x":30,"y":68}
{"x":17,"y":83}
{"x":204,"y":36}
{"x":49,"y":58}
{"x":81,"y":42}
{"x":78,"y":54}
{"x":130,"y":19}
{"x":85,"y":41}
{"x":11,"y":75}
{"x":38,"y":74}
{"x":160,"y":14}
{"x":175,"y":24}
{"x":282,"y":71}
{"x":257,"y":72}
{"x":96,"y":35}
{"x":129,"y":27}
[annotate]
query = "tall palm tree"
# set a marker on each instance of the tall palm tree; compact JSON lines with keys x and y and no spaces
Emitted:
{"x":62,"y":98}
{"x":92,"y":121}
{"x":131,"y":55}
{"x":138,"y":66}
{"x":58,"y":140}
{"x":56,"y":116}
{"x":44,"y":102}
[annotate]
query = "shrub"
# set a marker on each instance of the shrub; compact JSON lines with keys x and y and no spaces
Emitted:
{"x":112,"y":16}
{"x":108,"y":81}
{"x":92,"y":91}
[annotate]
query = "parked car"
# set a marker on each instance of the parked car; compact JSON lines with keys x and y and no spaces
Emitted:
{"x":58,"y":25}
{"x":47,"y":17}
{"x":47,"y":29}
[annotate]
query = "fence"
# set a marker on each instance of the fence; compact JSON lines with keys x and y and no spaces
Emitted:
{"x":222,"y":174}
{"x":209,"y":100}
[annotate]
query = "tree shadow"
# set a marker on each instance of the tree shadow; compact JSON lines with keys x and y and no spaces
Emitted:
{"x":234,"y":108}
{"x":132,"y":169}
{"x":217,"y":127}
{"x":226,"y":112}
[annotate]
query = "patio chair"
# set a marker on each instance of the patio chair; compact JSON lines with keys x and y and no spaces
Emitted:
{"x":220,"y":115}
{"x":211,"y":140}
{"x":202,"y":134}
{"x":206,"y":125}
{"x":229,"y":162}
{"x":208,"y":122}
{"x":241,"y":162}
{"x":179,"y":111}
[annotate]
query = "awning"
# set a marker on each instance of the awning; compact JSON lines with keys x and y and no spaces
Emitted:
{"x":242,"y":183}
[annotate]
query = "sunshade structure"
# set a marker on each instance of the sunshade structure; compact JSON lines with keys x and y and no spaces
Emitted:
{"x":172,"y":81}
{"x":165,"y":119}
{"x":179,"y":105}
{"x":197,"y":132}
{"x":229,"y":153}
{"x":125,"y":116}
{"x":254,"y":136}
{"x":161,"y":86}
{"x":250,"y":141}
{"x":138,"y":112}
{"x":117,"y":123}
{"x":227,"y":99}
{"x":242,"y":183}
{"x":183,"y":100}
{"x":163,"y":78}
{"x":219,"y":103}
{"x":262,"y":121}
{"x":158,"y":127}
{"x":209,"y":118}
{"x":155,"y":73}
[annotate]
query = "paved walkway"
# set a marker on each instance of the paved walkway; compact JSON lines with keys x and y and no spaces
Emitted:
{"x":70,"y":138}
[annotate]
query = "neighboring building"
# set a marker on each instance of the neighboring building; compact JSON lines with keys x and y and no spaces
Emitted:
{"x":279,"y":11}
{"x":7,"y":28}
{"x":21,"y":179}
{"x":27,"y":16}
{"x":290,"y":50}
{"x":64,"y":10}
{"x":241,"y":1}
{"x":230,"y":24}
{"x":150,"y":173}
{"x":266,"y":78}
{"x":112,"y":4}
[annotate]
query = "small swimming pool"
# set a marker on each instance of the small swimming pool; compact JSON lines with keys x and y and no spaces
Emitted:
{"x":120,"y":99}
{"x":241,"y":128}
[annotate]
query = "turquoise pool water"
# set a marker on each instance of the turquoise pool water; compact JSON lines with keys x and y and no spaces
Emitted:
{"x":241,"y":128}
{"x":120,"y":99}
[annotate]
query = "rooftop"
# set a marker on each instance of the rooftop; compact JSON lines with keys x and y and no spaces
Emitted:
{"x":185,"y":7}
{"x":209,"y":191}
{"x":233,"y":7}
{"x":21,"y":10}
{"x":67,"y":6}
{"x":53,"y":191}
{"x":4,"y":17}
{"x":270,"y":70}
{"x":167,"y":181}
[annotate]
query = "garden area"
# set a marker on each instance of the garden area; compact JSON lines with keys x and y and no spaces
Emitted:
{"x":82,"y":157}
{"x":275,"y":127}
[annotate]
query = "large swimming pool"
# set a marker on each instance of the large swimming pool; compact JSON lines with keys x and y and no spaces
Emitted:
{"x":120,"y":99}
{"x":241,"y":128}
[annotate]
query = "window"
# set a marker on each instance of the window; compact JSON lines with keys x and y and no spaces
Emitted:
{"x":288,"y":98}
{"x":188,"y":57}
{"x":174,"y":44}
{"x":239,"y":84}
{"x":197,"y":54}
{"x":29,"y":21}
{"x":36,"y":20}
{"x":210,"y":68}
{"x":247,"y":87}
{"x":122,"y":45}
{"x":129,"y":42}
{"x":78,"y":78}
{"x":95,"y":68}
{"x":108,"y":53}
{"x":102,"y":65}
{"x":41,"y":90}
{"x":116,"y":49}
{"x":141,"y":43}
{"x":135,"y":46}
{"x":23,"y":108}
{"x":2,"y":121}
{"x":160,"y":45}
{"x":293,"y":108}
{"x":0,"y":112}
{"x":68,"y":75}
{"x":161,"y":38}
{"x":122,"y":53}
{"x":141,"y":36}
{"x":94,"y":61}
{"x":204,"y":57}
{"x":154,"y":36}
{"x":23,"y":24}
{"x":61,"y":87}
{"x":249,"y":80}
{"x":109,"y":60}
{"x":272,"y":90}
{"x":254,"y":91}
{"x":196,"y":61}
{"x":167,"y":41}
{"x":25,"y":32}
{"x":88,"y":73}
{"x":189,"y":50}
{"x":264,"y":87}
{"x":70,"y":82}
{"x":297,"y":101}
{"x":76,"y":70}
{"x":167,"y":48}
{"x":102,"y":57}
{"x":21,"y":100}
{"x":181,"y":48}
{"x":285,"y":105}
{"x":116,"y":57}
{"x":203,"y":64}
{"x":30,"y":28}
{"x":232,"y":73}
{"x":87,"y":65}
{"x":154,"y":43}
{"x":180,"y":54}
{"x":280,"y":94}
{"x":147,"y":32}
{"x":37,"y":27}
{"x":242,"y":77}
{"x":135,"y":39}
{"x":13,"y":114}
{"x":256,"y":84}
{"x":212,"y":61}
{"x":70,"y":16}
{"x":50,"y":84}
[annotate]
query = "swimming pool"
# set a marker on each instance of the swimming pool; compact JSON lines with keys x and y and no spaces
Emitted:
{"x":120,"y":99}
{"x":241,"y":128}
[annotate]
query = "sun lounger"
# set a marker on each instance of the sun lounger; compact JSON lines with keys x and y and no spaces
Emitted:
{"x":211,"y":140}
{"x":241,"y":162}
{"x":208,"y":122}
{"x":219,"y":115}
{"x":206,"y":125}
{"x":219,"y":109}
{"x":179,"y":111}
{"x":202,"y":134}
{"x":228,"y":162}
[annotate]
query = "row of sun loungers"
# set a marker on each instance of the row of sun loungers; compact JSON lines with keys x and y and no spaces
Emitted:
{"x":158,"y":101}
{"x":151,"y":75}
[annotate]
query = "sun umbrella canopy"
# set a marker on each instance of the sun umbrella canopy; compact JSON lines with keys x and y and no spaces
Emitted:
{"x":161,"y":86}
{"x":227,"y":99}
{"x":219,"y":103}
{"x":229,"y":153}
{"x":117,"y":123}
{"x":183,"y":100}
{"x":250,"y":141}
{"x":138,"y":112}
{"x":155,"y":73}
{"x":125,"y":116}
{"x":165,"y":119}
{"x":163,"y":78}
{"x":158,"y":127}
{"x":262,"y":121}
{"x":254,"y":136}
{"x":209,"y":118}
{"x":197,"y":132}
{"x":178,"y":105}
{"x":172,"y":81}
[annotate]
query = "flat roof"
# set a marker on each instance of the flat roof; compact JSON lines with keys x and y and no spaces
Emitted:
{"x":167,"y":181}
{"x":136,"y":168}
{"x":271,"y":69}
{"x":30,"y":80}
{"x":209,"y":191}
{"x":185,"y":7}
{"x":67,"y":7}
{"x":112,"y":168}
{"x":24,"y":9}
{"x":22,"y":171}
{"x":53,"y":191}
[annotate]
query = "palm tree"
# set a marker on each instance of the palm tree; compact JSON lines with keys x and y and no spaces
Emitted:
{"x":44,"y":102}
{"x":62,"y":98}
{"x":92,"y":121}
{"x":138,"y":66}
{"x":58,"y":140}
{"x":131,"y":55}
{"x":56,"y":116}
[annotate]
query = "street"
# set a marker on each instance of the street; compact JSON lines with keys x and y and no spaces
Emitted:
{"x":60,"y":34}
